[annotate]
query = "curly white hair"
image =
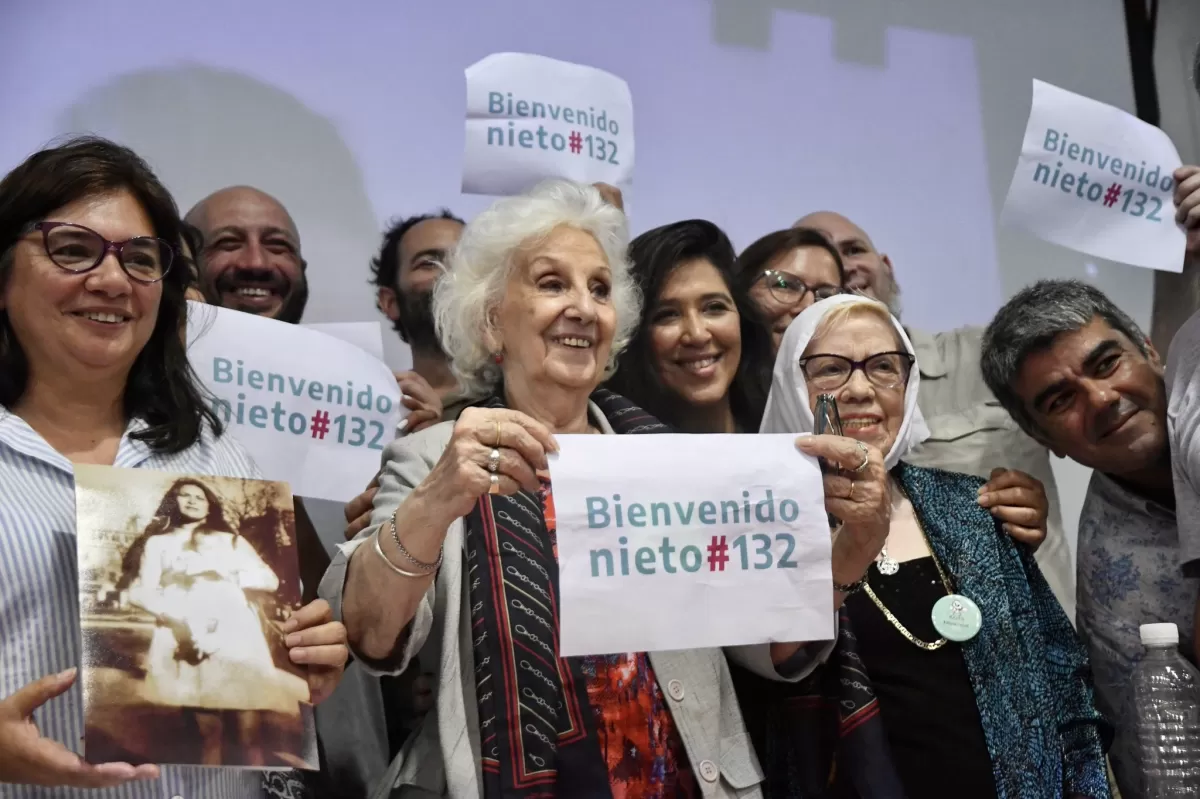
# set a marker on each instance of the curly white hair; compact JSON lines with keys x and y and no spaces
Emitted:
{"x":483,"y":260}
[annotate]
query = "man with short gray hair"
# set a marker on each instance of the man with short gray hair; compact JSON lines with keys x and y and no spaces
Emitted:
{"x":1080,"y":376}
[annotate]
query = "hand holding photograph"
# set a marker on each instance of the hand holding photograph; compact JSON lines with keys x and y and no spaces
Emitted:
{"x":184,"y":581}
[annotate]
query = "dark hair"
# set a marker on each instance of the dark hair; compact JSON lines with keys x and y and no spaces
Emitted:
{"x":755,"y":258}
{"x":162,"y":390}
{"x":190,"y":235}
{"x":166,"y":519}
{"x":655,"y":255}
{"x":1031,"y":321}
{"x":385,"y":267}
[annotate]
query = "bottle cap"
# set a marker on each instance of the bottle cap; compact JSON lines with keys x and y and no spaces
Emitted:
{"x":1160,"y":634}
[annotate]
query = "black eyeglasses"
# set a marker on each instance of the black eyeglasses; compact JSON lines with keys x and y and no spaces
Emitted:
{"x":831,"y":372}
{"x":787,"y":289}
{"x":78,"y":249}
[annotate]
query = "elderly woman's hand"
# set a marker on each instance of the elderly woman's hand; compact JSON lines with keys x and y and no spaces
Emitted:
{"x":1018,"y":500}
{"x":26,"y":758}
{"x":857,"y":493}
{"x":464,"y":472}
{"x":315,"y":640}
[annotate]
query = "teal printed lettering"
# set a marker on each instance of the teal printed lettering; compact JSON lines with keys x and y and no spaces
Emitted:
{"x":597,"y":509}
{"x":1156,"y":178}
{"x":769,"y":552}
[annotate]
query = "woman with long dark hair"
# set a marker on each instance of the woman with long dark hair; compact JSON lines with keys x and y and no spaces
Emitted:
{"x":93,"y":370}
{"x":700,"y":359}
{"x":209,"y":652}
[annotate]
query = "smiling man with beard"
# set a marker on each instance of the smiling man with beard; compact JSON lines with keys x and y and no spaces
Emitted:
{"x":250,"y":260}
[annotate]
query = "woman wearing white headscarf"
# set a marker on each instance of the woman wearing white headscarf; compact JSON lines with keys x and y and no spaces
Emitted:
{"x":962,"y":676}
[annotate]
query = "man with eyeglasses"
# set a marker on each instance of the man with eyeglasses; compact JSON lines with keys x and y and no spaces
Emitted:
{"x":970,"y":432}
{"x":250,"y":254}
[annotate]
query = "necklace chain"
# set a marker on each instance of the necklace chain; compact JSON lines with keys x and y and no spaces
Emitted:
{"x":926,"y":645}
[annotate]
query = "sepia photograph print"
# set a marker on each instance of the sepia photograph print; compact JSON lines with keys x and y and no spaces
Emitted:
{"x":184,"y":581}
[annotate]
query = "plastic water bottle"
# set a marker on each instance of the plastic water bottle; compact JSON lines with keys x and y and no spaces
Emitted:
{"x":1168,"y":716}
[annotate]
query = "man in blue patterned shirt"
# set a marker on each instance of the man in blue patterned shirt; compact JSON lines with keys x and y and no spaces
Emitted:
{"x":1079,"y":375}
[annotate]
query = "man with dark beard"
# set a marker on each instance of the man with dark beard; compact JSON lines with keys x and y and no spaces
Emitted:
{"x":411,"y":259}
{"x":250,"y":260}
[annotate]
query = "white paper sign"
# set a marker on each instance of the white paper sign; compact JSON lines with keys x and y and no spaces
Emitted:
{"x":530,"y":118}
{"x":367,"y":336}
{"x":312,"y":410}
{"x":1098,"y":180}
{"x":689,"y":541}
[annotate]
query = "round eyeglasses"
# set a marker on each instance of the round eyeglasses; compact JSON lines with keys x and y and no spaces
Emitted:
{"x":831,"y":372}
{"x":787,"y":289}
{"x":78,"y":249}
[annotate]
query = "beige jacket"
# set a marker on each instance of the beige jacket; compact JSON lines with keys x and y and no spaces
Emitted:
{"x":442,"y":758}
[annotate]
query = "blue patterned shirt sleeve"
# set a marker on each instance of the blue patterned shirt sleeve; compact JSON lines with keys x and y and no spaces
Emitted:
{"x":1079,"y":723}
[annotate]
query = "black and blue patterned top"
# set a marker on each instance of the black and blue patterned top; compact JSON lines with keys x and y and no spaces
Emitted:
{"x":825,"y":738}
{"x":1029,"y":670}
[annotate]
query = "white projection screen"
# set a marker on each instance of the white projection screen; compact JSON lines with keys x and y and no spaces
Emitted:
{"x":906,"y":115}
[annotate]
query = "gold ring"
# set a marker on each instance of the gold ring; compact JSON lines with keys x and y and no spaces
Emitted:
{"x":850,"y":496}
{"x":497,"y":444}
{"x":866,"y":458}
{"x":494,"y":488}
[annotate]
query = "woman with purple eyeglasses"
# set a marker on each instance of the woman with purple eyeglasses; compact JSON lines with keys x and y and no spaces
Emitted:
{"x":93,"y":370}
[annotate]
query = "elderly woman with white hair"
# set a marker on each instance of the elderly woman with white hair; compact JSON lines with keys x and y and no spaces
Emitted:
{"x":956,"y":672}
{"x":459,"y":565}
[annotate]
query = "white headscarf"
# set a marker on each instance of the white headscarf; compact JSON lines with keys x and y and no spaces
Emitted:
{"x":788,"y":408}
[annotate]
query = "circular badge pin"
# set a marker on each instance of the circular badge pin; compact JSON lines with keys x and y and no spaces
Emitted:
{"x":957,"y":618}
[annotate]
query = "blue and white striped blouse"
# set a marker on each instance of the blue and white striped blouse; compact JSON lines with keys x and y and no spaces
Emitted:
{"x":39,"y":597}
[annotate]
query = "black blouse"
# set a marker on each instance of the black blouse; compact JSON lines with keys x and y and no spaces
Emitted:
{"x":926,"y":699}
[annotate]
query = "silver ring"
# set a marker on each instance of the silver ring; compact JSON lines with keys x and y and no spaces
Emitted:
{"x":494,"y":488}
{"x":493,"y":463}
{"x":866,"y":458}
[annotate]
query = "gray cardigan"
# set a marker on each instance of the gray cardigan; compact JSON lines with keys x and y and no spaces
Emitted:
{"x":442,"y":757}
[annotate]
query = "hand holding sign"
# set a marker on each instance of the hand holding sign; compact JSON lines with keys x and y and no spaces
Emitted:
{"x":422,"y":401}
{"x":1187,"y":204}
{"x":492,"y":451}
{"x":858,"y":494}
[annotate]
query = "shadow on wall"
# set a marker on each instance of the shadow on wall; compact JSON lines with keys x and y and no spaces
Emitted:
{"x":203,"y":128}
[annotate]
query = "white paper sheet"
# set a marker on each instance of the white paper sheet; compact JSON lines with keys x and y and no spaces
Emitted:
{"x":367,"y":336}
{"x":656,"y":552}
{"x":1096,"y":179}
{"x":313,"y":410}
{"x":530,"y":118}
